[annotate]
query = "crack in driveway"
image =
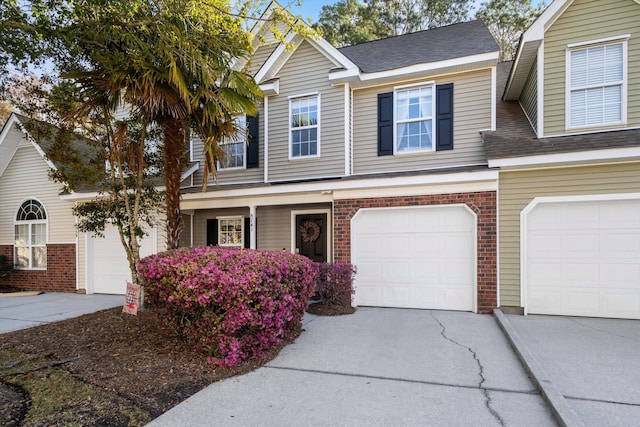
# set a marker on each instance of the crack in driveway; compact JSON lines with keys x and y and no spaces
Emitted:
{"x":487,"y":398}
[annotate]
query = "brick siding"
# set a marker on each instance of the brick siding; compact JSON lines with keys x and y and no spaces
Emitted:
{"x":60,"y":275}
{"x":482,"y":203}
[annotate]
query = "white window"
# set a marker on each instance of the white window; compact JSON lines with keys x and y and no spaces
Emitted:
{"x":414,"y":122}
{"x":304,"y":127}
{"x":231,"y":231}
{"x":235,"y":149}
{"x":30,"y":249}
{"x":597,"y":87}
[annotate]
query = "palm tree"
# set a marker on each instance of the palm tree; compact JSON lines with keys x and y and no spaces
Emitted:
{"x":172,"y":63}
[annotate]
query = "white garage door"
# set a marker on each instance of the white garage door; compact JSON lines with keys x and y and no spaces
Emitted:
{"x":583,"y":258}
{"x":415,"y":257}
{"x":107,"y":266}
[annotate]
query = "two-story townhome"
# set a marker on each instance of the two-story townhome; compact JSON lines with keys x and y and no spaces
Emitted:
{"x":370,"y":154}
{"x":38,"y":232}
{"x":568,"y":147}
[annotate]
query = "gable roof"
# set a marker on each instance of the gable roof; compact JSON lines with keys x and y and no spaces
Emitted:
{"x":438,"y":44}
{"x":514,"y":143}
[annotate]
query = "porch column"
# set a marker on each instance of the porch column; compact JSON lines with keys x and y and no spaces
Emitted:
{"x":252,"y":227}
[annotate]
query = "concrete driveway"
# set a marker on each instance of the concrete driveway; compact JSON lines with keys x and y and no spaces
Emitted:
{"x":593,"y":363}
{"x":21,"y":312}
{"x":383,"y":367}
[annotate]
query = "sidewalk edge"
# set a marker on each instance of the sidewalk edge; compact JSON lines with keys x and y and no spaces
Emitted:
{"x":561,"y":410}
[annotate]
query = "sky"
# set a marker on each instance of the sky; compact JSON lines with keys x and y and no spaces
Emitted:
{"x":311,"y":8}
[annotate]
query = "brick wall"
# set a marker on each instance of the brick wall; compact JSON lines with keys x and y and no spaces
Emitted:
{"x":60,"y":275}
{"x":482,"y":203}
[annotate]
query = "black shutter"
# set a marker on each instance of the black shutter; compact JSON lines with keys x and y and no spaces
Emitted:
{"x":385,"y":124}
{"x":247,"y":232}
{"x":444,"y":117}
{"x":253,"y":151}
{"x":212,"y":232}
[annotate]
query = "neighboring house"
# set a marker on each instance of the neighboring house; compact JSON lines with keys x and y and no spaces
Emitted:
{"x":568,"y":148}
{"x":37,"y":225}
{"x":369,"y":154}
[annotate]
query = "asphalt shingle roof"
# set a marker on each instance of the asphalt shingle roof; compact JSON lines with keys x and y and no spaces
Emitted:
{"x":438,"y":44}
{"x":514,"y":136}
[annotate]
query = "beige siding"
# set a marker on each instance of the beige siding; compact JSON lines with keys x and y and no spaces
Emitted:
{"x":201,"y":217}
{"x":472,"y":113}
{"x":274,"y":228}
{"x":306,"y":72}
{"x":529,"y":98}
{"x":517,"y":189}
{"x":185,"y":236}
{"x":260,"y":56}
{"x":583,"y":21}
{"x":27,"y":177}
{"x":232,"y":176}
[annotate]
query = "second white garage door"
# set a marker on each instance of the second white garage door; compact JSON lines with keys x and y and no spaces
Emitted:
{"x":582,"y":258}
{"x":415,"y":257}
{"x":107,"y":266}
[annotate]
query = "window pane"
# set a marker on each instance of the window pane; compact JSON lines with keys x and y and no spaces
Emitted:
{"x":22,"y":257}
{"x":22,"y":234}
{"x":38,"y":234}
{"x":39,"y":257}
{"x":612,"y":104}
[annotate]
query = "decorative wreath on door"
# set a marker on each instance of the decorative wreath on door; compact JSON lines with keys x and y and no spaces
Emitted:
{"x":309,"y":231}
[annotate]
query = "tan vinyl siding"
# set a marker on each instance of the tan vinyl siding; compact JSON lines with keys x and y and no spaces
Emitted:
{"x":583,"y":21}
{"x":472,"y":112}
{"x":259,"y":57}
{"x":306,"y":72}
{"x":517,"y":189}
{"x":274,"y":228}
{"x":201,"y":217}
{"x":233,"y":176}
{"x":185,"y":236}
{"x":529,"y":98}
{"x":27,"y":177}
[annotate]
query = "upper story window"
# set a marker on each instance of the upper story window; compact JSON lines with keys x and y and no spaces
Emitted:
{"x":596,"y":91}
{"x":304,"y":126}
{"x":30,"y":249}
{"x":414,"y":121}
{"x":235,"y":149}
{"x":231,"y":231}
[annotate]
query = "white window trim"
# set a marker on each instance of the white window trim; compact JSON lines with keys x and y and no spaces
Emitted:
{"x":42,"y":221}
{"x":245,"y":141}
{"x":317,"y":126}
{"x":396,"y":89}
{"x":585,"y":45}
{"x":228,"y":218}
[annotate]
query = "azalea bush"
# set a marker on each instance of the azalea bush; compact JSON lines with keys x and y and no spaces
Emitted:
{"x":335,"y":283}
{"x":232,"y":304}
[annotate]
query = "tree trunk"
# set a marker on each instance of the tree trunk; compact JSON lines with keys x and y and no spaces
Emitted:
{"x":173,"y":156}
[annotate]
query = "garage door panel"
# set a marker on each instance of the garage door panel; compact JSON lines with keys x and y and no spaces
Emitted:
{"x":583,"y":258}
{"x":424,"y":257}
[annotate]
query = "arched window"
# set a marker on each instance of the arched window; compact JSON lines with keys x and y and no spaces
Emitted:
{"x":31,"y":236}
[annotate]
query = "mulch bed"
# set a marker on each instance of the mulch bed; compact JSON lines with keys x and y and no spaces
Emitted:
{"x":323,"y":309}
{"x":131,"y":358}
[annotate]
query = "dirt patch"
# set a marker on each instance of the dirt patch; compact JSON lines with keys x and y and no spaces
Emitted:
{"x":119,"y":370}
{"x":324,"y":309}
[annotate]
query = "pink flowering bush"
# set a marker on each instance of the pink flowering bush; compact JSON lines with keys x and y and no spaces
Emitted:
{"x":335,"y":283}
{"x":231,"y":303}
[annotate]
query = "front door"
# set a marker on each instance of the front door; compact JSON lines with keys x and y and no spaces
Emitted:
{"x":311,"y":237}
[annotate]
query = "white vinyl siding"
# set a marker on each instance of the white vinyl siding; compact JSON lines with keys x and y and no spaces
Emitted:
{"x":472,"y":112}
{"x":27,"y":177}
{"x":597,"y":86}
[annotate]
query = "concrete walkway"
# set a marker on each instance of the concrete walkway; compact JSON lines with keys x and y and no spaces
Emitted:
{"x":383,"y":367}
{"x":592,"y":364}
{"x":23,"y":312}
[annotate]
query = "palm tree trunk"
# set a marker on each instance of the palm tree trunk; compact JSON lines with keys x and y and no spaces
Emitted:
{"x":173,"y":156}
